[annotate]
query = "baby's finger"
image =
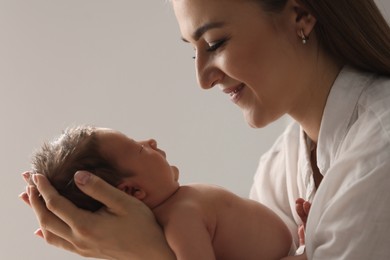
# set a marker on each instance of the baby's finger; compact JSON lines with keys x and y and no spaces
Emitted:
{"x":301,"y":234}
{"x":301,"y":211}
{"x":306,"y":207}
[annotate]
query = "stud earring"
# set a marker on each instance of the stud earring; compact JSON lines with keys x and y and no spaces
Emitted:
{"x":304,"y":38}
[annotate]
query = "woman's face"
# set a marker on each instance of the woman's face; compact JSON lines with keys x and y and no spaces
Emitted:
{"x":251,"y":55}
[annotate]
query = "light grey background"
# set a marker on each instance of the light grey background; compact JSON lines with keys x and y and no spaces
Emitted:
{"x":117,"y":64}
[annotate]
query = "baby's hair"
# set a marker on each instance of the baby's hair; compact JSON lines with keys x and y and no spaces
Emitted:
{"x":76,"y":149}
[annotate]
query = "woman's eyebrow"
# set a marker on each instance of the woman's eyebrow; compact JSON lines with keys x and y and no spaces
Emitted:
{"x":204,"y":28}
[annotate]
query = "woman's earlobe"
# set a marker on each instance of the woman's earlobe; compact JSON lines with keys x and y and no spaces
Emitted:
{"x":305,"y":26}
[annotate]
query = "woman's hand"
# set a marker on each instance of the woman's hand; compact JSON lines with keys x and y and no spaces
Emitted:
{"x":124,"y":229}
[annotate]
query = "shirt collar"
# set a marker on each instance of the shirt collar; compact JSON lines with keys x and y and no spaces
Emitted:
{"x":338,"y":114}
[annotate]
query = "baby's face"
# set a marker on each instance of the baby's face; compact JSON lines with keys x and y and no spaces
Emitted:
{"x":147,"y":164}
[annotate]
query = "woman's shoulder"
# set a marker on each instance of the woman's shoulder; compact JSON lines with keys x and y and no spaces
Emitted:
{"x":376,"y":92}
{"x":374,"y":86}
{"x":374,"y":102}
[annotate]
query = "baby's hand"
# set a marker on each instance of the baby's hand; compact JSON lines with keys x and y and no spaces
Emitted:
{"x":302,"y":207}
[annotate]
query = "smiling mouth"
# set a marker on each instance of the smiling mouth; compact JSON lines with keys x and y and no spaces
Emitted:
{"x":235,"y":93}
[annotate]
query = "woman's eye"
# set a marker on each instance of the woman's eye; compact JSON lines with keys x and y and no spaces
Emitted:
{"x":215,"y":45}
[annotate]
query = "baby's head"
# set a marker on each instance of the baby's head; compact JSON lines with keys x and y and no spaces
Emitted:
{"x":138,"y":168}
{"x":76,"y":149}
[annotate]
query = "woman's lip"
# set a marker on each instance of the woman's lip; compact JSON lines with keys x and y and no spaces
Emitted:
{"x":234,"y":92}
{"x":233,"y":89}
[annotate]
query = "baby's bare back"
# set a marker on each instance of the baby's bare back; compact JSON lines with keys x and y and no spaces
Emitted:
{"x":238,"y":228}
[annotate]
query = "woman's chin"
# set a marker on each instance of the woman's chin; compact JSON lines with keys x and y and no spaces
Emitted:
{"x":258,"y":120}
{"x":253,"y":121}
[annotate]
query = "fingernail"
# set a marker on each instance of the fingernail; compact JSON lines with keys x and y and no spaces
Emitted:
{"x":82,"y":177}
{"x":26,"y":176}
{"x":34,"y":179}
{"x":39,"y":232}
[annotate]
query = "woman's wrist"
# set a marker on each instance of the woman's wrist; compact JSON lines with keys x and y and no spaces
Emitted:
{"x":157,"y":249}
{"x":151,"y":253}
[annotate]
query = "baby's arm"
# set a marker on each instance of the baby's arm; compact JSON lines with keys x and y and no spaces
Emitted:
{"x":188,"y":236}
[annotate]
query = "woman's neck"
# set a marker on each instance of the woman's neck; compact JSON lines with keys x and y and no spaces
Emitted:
{"x":308,"y":113}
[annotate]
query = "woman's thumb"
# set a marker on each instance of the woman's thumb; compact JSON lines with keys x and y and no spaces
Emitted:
{"x":95,"y":187}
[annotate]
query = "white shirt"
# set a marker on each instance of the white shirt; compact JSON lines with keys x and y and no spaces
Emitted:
{"x":350,"y":213}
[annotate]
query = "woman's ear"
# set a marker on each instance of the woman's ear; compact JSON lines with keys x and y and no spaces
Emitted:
{"x":131,"y":188}
{"x":304,"y":19}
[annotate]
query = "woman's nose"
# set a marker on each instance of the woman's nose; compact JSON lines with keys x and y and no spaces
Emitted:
{"x":207,"y":73}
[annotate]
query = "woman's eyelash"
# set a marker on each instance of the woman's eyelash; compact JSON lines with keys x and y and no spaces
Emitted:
{"x":215,"y":46}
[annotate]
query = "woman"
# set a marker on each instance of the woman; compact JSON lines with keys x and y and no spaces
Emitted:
{"x":324,"y":63}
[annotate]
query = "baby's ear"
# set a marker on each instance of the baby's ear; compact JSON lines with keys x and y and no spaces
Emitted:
{"x":131,"y":188}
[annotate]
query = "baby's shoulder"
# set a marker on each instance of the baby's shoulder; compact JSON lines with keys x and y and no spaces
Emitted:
{"x":187,"y":204}
{"x":204,"y":193}
{"x":202,"y":198}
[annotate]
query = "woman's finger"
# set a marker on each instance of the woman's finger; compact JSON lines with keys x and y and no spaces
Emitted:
{"x":47,"y":220}
{"x":59,"y":242}
{"x":26,"y":176}
{"x":39,"y":233}
{"x":57,"y":204}
{"x":55,"y":214}
{"x":25,"y":198}
{"x":114,"y":199}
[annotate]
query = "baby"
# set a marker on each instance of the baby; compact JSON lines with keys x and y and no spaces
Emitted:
{"x":199,"y":221}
